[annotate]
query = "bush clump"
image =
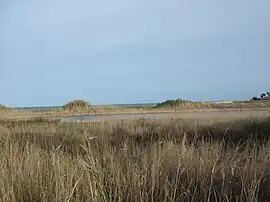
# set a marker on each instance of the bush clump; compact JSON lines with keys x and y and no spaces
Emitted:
{"x":76,"y":105}
{"x":172,"y":103}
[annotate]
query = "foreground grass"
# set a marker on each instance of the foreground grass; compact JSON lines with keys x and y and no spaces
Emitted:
{"x":172,"y":160}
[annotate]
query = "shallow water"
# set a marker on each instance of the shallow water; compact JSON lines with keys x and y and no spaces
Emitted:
{"x":209,"y":114}
{"x":116,"y":116}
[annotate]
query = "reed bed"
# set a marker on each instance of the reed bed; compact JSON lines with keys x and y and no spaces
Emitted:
{"x":135,"y":160}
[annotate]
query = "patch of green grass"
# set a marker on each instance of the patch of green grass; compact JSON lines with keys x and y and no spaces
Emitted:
{"x":138,"y":160}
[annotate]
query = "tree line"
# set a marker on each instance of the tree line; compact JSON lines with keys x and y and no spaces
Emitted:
{"x":264,"y":96}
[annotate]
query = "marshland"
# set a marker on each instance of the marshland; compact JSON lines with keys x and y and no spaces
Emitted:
{"x":168,"y":159}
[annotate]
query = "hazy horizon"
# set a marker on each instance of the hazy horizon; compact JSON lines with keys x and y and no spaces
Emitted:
{"x":55,"y":51}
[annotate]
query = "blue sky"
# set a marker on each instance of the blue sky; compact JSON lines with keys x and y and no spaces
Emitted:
{"x":121,"y":51}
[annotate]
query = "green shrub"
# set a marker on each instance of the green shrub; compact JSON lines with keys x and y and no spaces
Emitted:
{"x":76,"y":105}
{"x":172,"y":103}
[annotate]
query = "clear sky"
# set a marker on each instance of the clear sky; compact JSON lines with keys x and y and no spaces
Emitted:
{"x":131,"y":51}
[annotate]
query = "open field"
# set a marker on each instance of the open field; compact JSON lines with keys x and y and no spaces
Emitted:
{"x":170,"y":159}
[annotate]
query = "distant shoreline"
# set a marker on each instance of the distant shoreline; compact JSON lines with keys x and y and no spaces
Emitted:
{"x":140,"y":108}
{"x":94,"y":105}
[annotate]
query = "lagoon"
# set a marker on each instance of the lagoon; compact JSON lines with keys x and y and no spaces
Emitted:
{"x":189,"y":115}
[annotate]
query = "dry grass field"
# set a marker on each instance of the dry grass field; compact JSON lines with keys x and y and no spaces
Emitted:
{"x":171,"y":159}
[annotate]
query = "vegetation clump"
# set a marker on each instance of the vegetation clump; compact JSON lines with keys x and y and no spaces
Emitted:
{"x":172,"y":103}
{"x":76,"y":105}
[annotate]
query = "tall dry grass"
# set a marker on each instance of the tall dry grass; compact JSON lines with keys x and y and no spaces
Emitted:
{"x":142,"y":160}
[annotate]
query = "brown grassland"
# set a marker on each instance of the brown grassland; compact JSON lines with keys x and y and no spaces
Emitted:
{"x":135,"y":160}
